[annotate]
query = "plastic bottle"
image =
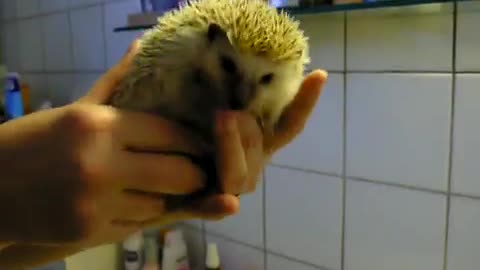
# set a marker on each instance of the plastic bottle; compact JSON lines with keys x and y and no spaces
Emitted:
{"x":151,"y":254}
{"x":175,"y":255}
{"x":13,"y":96}
{"x":212,"y":260}
{"x":132,"y":251}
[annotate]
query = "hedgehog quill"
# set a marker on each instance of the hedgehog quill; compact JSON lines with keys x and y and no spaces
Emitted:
{"x":217,"y":54}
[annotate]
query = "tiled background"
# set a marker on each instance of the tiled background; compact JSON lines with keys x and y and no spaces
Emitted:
{"x":386,"y":175}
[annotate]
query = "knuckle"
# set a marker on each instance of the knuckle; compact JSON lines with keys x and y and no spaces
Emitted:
{"x":84,"y":119}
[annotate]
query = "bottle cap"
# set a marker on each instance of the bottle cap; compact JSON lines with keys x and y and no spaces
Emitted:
{"x":213,"y":259}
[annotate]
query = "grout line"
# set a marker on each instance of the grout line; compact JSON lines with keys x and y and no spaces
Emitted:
{"x":344,"y":144}
{"x":379,"y":182}
{"x":266,"y":251}
{"x":452,"y":122}
{"x":264,"y":216}
{"x":281,"y":166}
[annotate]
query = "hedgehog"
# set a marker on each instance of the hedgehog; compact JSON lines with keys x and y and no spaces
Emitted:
{"x":209,"y":55}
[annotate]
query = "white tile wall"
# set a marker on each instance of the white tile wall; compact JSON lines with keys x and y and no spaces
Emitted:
{"x":10,"y":45}
{"x":303,"y":213}
{"x":467,"y":39}
{"x":392,"y":228}
{"x":326,"y":50}
{"x":47,"y":6}
{"x":464,"y":239}
{"x":387,"y":42}
{"x":398,"y":128}
{"x":116,"y":14}
{"x":466,"y":144}
{"x":88,"y":38}
{"x":279,"y":263}
{"x":27,"y":8}
{"x":57,"y":43}
{"x":398,"y":122}
{"x":30,"y":44}
{"x":247,"y":225}
{"x":319,"y":146}
{"x":60,"y":88}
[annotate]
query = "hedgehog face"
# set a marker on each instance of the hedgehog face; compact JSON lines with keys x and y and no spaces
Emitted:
{"x":251,"y":82}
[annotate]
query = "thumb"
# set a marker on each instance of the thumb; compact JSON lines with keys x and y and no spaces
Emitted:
{"x":296,"y":115}
{"x":105,"y":85}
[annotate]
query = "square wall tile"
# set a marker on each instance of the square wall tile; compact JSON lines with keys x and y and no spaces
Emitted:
{"x":247,"y":225}
{"x":116,"y":15}
{"x":319,"y":146}
{"x":60,"y":88}
{"x":57,"y":43}
{"x":234,"y":256}
{"x":393,"y":228}
{"x":9,"y":9}
{"x":327,"y":44}
{"x":275,"y":262}
{"x":83,"y":82}
{"x":80,"y":3}
{"x":466,"y":137}
{"x":10,"y":46}
{"x":27,"y":8}
{"x":88,"y":39}
{"x":387,"y":42}
{"x":31,"y":49}
{"x":398,"y":128}
{"x":468,"y":39}
{"x":47,"y":6}
{"x":304,"y":216}
{"x":464,"y":234}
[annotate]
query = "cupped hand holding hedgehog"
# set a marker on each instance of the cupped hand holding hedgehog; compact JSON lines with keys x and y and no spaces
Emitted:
{"x":218,"y":83}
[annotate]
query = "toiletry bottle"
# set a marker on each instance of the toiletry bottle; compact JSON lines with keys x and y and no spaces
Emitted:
{"x":132,"y":251}
{"x":151,"y":254}
{"x":212,"y":260}
{"x":175,"y":255}
{"x":13,"y":96}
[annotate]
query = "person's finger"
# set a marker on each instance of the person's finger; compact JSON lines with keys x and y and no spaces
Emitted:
{"x":157,"y":173}
{"x":230,"y":156}
{"x":214,"y":207}
{"x":296,"y":115}
{"x":252,"y":144}
{"x":138,"y":131}
{"x":105,"y":85}
{"x":138,"y":206}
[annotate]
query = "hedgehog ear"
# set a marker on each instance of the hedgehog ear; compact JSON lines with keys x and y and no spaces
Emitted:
{"x":215,"y":32}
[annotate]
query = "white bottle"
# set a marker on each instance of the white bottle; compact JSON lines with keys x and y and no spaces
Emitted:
{"x":132,"y":251}
{"x":175,"y":256}
{"x":212,"y":261}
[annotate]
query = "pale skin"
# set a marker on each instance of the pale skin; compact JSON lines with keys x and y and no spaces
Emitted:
{"x":69,"y":183}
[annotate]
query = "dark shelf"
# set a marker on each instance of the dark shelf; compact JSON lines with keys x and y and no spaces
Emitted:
{"x":332,"y":8}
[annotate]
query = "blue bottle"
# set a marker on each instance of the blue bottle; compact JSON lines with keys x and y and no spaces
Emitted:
{"x":13,"y":97}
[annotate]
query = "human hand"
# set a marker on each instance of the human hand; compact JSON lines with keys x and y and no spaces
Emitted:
{"x":243,"y":150}
{"x":76,"y":175}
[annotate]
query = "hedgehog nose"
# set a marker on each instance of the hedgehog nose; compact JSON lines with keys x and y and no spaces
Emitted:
{"x":239,"y":97}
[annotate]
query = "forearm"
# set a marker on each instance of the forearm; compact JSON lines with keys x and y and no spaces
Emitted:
{"x":22,"y":257}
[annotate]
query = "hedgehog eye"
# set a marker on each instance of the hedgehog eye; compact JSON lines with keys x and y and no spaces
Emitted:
{"x":227,"y":64}
{"x":266,"y":79}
